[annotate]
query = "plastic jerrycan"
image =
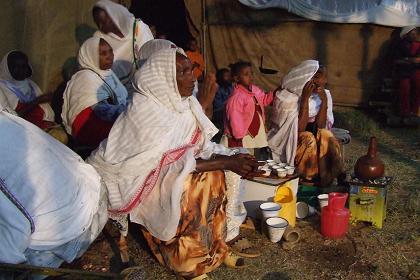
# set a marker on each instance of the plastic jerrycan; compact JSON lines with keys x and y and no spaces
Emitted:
{"x":286,"y":197}
{"x":335,"y":217}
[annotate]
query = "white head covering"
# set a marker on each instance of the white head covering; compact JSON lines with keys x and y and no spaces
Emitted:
{"x":282,"y":137}
{"x":151,"y":148}
{"x":125,"y":49}
{"x":90,"y":85}
{"x":407,"y":29}
{"x":24,"y":89}
{"x":119,"y":14}
{"x":88,"y":57}
{"x":153,"y":46}
{"x":13,"y":91}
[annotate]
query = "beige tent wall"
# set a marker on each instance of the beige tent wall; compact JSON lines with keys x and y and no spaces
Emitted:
{"x":49,"y":31}
{"x":353,"y":53}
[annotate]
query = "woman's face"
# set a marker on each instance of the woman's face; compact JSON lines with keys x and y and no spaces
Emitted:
{"x":245,"y":76}
{"x":106,"y":55}
{"x":105,"y":23}
{"x":320,"y":80}
{"x":18,"y":67}
{"x":184,"y":75}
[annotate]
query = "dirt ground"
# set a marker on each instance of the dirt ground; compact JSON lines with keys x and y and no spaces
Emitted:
{"x":366,"y":253}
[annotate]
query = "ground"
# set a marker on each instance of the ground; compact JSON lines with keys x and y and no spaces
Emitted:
{"x":366,"y":253}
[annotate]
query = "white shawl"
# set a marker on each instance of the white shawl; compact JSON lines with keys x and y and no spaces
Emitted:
{"x":13,"y":91}
{"x":90,"y":85}
{"x":57,"y":189}
{"x":152,"y":147}
{"x":153,"y":46}
{"x":283,"y":135}
{"x":125,"y":49}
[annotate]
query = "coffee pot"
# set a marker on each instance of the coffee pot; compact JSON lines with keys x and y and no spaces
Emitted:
{"x":369,"y":166}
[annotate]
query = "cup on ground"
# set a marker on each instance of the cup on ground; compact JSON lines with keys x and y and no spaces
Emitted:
{"x":276,"y":227}
{"x":304,"y":210}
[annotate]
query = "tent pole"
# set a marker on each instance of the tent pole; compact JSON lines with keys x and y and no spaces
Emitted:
{"x":203,"y":32}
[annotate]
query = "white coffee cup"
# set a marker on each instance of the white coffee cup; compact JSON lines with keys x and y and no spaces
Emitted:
{"x":290,"y":170}
{"x":304,"y":210}
{"x":323,"y":200}
{"x":281,"y":172}
{"x":269,"y":209}
{"x":267,"y":171}
{"x":276,"y":227}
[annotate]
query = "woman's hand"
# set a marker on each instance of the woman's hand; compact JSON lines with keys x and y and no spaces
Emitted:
{"x":243,"y":164}
{"x":308,"y":89}
{"x":206,"y":93}
{"x":45,"y":98}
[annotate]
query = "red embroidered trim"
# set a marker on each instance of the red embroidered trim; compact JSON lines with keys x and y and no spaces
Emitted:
{"x":148,"y":185}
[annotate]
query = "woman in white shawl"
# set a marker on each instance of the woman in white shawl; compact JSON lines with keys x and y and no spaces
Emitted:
{"x":52,"y":204}
{"x":19,"y":94}
{"x":301,"y":121}
{"x":124,"y":33}
{"x":160,"y":167}
{"x":94,"y":97}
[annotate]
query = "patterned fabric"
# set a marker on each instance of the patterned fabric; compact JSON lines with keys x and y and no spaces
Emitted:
{"x":199,"y":244}
{"x":318,"y":156}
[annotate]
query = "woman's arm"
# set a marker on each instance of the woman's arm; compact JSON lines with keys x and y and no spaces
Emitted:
{"x":242,"y":164}
{"x":321,"y":117}
{"x":304,"y":106}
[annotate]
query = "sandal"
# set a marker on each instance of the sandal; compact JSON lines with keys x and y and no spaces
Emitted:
{"x":233,"y":261}
{"x":244,"y":248}
{"x":202,"y":277}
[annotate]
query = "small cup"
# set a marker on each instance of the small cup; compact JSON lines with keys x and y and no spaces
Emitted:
{"x":304,"y":210}
{"x":276,"y":227}
{"x":269,"y":209}
{"x":271,"y":163}
{"x":290,"y":170}
{"x":281,"y":172}
{"x":267,"y":172}
{"x":323,"y":200}
{"x":282,"y":164}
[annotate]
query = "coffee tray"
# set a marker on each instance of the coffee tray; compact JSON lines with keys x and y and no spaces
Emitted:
{"x":273,"y":180}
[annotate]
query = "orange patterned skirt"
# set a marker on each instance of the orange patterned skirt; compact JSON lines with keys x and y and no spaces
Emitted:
{"x":199,"y":245}
{"x":319,"y":156}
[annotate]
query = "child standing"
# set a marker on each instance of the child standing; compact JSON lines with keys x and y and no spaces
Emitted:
{"x":245,"y":114}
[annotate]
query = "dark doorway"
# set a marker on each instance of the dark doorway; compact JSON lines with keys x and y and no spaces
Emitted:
{"x":169,"y":17}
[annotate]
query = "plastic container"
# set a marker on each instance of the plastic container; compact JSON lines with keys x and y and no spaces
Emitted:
{"x":335,"y":217}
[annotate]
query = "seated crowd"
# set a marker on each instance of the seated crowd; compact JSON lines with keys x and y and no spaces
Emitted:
{"x":154,"y":159}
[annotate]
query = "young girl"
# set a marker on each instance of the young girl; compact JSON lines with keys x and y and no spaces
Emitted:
{"x":245,"y":115}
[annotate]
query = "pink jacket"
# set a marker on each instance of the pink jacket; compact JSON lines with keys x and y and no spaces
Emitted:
{"x":240,"y":109}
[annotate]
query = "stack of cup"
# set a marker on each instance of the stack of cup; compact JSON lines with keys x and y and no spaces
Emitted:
{"x":275,"y":228}
{"x":290,"y":170}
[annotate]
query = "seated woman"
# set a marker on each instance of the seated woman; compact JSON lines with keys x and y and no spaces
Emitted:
{"x":124,"y":33}
{"x":52,"y":204}
{"x":301,"y":119}
{"x":160,"y":167}
{"x":20,"y":95}
{"x":94,"y":97}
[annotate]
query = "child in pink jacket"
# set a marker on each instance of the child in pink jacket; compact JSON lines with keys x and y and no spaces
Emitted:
{"x":245,"y":114}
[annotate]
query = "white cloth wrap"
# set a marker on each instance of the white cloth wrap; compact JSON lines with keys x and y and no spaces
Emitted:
{"x":90,"y":85}
{"x":59,"y":191}
{"x":283,"y":135}
{"x":126,"y":49}
{"x":9,"y":100}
